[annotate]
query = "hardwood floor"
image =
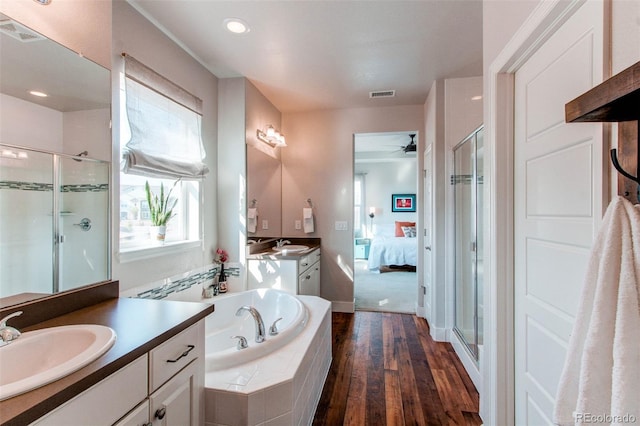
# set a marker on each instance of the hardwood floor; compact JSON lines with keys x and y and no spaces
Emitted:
{"x":387,"y":370}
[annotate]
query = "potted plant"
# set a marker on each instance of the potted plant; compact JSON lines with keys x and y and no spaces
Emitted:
{"x":161,"y":210}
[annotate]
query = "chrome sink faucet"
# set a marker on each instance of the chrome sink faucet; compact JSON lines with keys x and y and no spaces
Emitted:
{"x":260,"y":333}
{"x":281,"y":243}
{"x":7,"y":333}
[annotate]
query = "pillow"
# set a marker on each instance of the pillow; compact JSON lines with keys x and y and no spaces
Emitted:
{"x":409,"y":231}
{"x":399,"y":226}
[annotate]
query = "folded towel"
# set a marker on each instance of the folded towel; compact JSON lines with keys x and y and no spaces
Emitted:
{"x":307,"y":222}
{"x":252,"y":220}
{"x":601,"y":376}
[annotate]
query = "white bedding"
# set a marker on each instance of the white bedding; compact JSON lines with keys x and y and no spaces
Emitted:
{"x":387,"y":250}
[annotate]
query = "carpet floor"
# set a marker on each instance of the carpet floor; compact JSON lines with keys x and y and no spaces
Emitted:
{"x":384,"y":292}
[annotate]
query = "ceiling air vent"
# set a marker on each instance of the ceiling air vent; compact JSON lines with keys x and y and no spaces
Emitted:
{"x":19,"y":32}
{"x":382,"y":94}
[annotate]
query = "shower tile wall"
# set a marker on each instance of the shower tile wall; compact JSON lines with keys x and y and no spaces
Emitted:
{"x":26,"y":228}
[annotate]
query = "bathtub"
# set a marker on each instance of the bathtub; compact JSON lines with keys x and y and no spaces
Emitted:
{"x":278,"y":381}
{"x":220,"y":345}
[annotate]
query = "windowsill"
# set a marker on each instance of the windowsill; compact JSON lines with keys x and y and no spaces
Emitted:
{"x":148,"y":252}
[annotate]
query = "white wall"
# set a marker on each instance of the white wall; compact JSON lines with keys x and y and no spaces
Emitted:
{"x":318,"y":164}
{"x":382,"y":180}
{"x":88,"y":131}
{"x":17,"y":125}
{"x":133,"y":34}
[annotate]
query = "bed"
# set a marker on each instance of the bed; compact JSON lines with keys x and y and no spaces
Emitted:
{"x":387,"y":249}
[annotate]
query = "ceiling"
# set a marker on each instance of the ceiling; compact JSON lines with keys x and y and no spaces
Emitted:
{"x":310,"y":55}
{"x":383,"y":147}
{"x":72,"y":82}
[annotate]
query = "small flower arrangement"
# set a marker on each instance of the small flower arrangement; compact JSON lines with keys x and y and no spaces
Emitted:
{"x":221,"y":256}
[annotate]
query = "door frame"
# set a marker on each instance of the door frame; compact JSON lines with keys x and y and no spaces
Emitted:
{"x":497,"y":396}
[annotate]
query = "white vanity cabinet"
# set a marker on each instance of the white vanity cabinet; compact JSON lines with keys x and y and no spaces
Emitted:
{"x":163,"y":387}
{"x":309,"y":274}
{"x":294,"y":274}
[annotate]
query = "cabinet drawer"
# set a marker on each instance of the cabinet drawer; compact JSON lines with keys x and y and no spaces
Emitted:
{"x":305,"y":262}
{"x":173,"y":355}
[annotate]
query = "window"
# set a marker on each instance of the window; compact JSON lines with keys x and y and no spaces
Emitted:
{"x":161,"y":144}
{"x":359,"y":224}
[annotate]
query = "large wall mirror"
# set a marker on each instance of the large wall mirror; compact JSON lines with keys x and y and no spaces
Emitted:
{"x":264,"y":192}
{"x":55,"y":147}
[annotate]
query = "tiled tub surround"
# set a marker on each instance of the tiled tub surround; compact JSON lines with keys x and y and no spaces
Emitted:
{"x":280,"y":388}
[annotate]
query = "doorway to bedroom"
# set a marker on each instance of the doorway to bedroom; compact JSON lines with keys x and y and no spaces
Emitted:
{"x":385,"y":244}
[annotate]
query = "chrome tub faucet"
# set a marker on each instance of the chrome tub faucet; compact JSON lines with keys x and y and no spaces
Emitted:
{"x":260,"y":331}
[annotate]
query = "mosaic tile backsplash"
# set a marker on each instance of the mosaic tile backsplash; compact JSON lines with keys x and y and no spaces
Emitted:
{"x":182,"y":283}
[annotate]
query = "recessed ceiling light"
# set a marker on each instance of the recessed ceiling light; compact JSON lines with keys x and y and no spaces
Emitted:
{"x":38,"y":94}
{"x":43,"y":2}
{"x":236,"y":26}
{"x":476,"y":98}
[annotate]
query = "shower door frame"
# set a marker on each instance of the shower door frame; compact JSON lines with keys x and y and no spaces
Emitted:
{"x":473,"y":351}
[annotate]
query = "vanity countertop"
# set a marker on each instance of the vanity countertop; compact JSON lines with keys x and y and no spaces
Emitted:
{"x":273,"y":254}
{"x":140,"y":325}
{"x":261,"y":251}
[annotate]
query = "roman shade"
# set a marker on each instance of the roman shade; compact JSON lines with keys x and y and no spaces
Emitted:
{"x":165,"y":123}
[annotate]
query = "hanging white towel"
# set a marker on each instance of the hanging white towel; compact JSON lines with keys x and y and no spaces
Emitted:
{"x":601,"y":376}
{"x":307,"y":220}
{"x":252,"y":219}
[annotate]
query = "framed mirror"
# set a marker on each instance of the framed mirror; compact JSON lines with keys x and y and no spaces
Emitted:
{"x":55,"y":147}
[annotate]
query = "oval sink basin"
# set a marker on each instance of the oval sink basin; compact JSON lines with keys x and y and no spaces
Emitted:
{"x":291,"y":248}
{"x":42,"y":356}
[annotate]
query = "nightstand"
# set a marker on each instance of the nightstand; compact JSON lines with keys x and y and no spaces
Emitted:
{"x":361,"y":248}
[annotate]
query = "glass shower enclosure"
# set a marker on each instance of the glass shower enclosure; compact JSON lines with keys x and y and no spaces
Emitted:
{"x":467,"y":182}
{"x":55,"y":221}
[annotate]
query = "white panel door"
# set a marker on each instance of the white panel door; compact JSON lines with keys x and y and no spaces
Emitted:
{"x":428,"y":232}
{"x":558,"y":193}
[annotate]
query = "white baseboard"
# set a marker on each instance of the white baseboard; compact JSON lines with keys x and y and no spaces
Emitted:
{"x":439,"y":334}
{"x":467,"y":361}
{"x":421,"y":312}
{"x":347,"y":307}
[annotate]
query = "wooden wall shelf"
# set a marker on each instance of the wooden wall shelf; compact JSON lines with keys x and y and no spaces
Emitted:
{"x":616,"y":100}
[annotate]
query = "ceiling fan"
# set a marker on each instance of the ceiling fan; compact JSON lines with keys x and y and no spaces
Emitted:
{"x":411,"y":147}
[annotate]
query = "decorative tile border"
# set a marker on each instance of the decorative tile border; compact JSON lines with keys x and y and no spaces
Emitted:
{"x":34,"y":186}
{"x":99,"y":187}
{"x":181,"y":284}
{"x":25,"y":186}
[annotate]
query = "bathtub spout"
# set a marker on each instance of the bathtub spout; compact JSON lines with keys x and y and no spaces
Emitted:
{"x":260,"y":333}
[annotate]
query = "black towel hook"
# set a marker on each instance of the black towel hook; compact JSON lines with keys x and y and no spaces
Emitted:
{"x":623,"y":172}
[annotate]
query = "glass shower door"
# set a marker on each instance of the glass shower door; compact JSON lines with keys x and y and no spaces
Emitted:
{"x":83,"y":222}
{"x":467,"y":182}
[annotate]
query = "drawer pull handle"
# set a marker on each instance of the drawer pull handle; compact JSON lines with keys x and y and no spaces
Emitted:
{"x":305,"y":264}
{"x":185,"y":353}
{"x":161,"y":412}
{"x":308,"y":277}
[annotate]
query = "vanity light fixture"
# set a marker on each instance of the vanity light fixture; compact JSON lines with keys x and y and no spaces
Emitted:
{"x":236,"y":26}
{"x":38,"y":94}
{"x":271,"y":136}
